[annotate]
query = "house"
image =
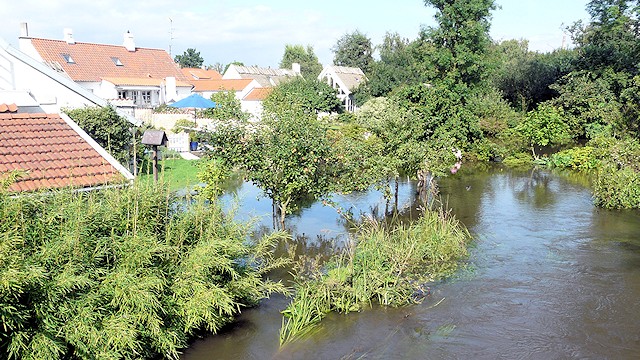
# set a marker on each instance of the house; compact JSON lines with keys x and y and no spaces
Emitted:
{"x":345,"y":80}
{"x":30,"y":83}
{"x":266,"y":77}
{"x":53,"y":152}
{"x":252,"y":102}
{"x":129,"y":77}
{"x":240,"y":87}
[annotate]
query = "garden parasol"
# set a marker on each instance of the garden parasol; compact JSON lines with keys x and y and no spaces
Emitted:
{"x":194,"y":101}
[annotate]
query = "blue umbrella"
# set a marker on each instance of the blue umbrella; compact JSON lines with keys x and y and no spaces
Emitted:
{"x":194,"y":101}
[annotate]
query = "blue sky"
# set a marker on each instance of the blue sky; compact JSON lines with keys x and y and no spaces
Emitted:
{"x":255,"y":32}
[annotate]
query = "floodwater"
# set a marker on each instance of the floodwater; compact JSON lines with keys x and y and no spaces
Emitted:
{"x":549,"y":277}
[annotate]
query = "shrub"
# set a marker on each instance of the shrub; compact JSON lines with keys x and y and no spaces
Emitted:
{"x":617,"y":188}
{"x":129,"y":273}
{"x":578,"y":158}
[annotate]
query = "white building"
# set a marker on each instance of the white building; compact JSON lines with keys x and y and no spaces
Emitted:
{"x":344,"y":79}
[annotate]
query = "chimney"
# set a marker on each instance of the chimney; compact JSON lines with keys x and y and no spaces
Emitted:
{"x":296,"y":68}
{"x":129,"y":44}
{"x":68,"y":36}
{"x":24,"y":30}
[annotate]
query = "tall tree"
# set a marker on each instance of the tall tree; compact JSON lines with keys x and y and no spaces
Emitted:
{"x":611,"y":40}
{"x":310,"y":95}
{"x":461,"y":40}
{"x":354,"y":50}
{"x":395,"y":67}
{"x":306,"y":57}
{"x":190,"y":59}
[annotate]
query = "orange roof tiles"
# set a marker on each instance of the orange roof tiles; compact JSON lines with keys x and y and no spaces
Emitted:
{"x":201,"y":74}
{"x":220,"y":85}
{"x":258,"y":94}
{"x":52,"y":154}
{"x":91,"y":62}
{"x":8,"y":108}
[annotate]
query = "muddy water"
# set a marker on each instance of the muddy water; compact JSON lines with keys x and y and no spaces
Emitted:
{"x":550,"y":277}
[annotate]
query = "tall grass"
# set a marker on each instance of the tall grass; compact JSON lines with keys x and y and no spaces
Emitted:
{"x":129,"y":273}
{"x":385,"y":263}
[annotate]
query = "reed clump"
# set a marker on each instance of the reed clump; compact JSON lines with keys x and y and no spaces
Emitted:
{"x":385,"y":263}
{"x":122,"y":273}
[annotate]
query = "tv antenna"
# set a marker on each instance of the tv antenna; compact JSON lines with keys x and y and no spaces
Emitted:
{"x":170,"y":35}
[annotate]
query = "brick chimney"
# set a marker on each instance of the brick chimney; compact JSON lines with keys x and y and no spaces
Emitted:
{"x":129,"y":44}
{"x":68,"y":36}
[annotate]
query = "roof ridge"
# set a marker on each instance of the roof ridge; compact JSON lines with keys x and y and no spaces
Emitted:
{"x":99,"y":44}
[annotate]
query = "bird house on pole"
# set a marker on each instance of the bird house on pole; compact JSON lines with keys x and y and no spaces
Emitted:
{"x":155,"y":138}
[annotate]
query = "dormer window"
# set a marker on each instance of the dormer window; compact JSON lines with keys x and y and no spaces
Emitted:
{"x":117,"y":61}
{"x":68,"y":58}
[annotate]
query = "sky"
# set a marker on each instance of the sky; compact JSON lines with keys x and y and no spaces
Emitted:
{"x":256,"y":32}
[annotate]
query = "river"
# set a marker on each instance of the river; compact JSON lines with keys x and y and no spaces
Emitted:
{"x":550,"y":276}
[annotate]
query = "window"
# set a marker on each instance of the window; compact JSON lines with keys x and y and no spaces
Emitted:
{"x":122,"y":94}
{"x":68,"y":58}
{"x":134,"y":96}
{"x":117,"y":61}
{"x":146,"y":97}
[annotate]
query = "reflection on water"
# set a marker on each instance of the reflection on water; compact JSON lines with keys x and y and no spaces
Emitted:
{"x":550,"y":277}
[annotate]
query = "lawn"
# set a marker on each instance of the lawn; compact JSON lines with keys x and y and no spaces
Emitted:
{"x":177,"y":173}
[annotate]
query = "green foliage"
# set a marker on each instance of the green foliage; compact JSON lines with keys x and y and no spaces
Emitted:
{"x":213,"y":173}
{"x":107,"y":128}
{"x":310,"y":66}
{"x":310,"y":95}
{"x":121,"y":274}
{"x":229,"y":107}
{"x":578,"y":158}
{"x":588,"y":100}
{"x":397,"y":66}
{"x":354,"y":50}
{"x":189,"y":59}
{"x":461,"y":40}
{"x":518,"y":160}
{"x":524,"y":76}
{"x":616,"y":188}
{"x":385,"y":264}
{"x":544,"y":126}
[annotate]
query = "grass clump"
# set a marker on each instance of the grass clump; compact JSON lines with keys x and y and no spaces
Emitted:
{"x":387,"y":264}
{"x":121,"y":274}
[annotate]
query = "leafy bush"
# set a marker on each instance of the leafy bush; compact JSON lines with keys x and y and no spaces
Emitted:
{"x":578,"y":158}
{"x":518,"y":159}
{"x":107,"y":128}
{"x":617,"y":188}
{"x":121,"y":273}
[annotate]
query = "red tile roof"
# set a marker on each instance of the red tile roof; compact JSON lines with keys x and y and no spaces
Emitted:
{"x":8,"y":108}
{"x":201,"y":74}
{"x":141,"y":81}
{"x":258,"y":94}
{"x":91,"y":62}
{"x":220,"y":85}
{"x":52,"y":153}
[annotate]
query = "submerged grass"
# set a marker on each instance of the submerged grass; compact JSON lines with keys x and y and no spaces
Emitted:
{"x":385,"y":263}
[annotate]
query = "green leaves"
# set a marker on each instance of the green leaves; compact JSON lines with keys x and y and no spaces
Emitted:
{"x":121,"y":273}
{"x":189,"y":59}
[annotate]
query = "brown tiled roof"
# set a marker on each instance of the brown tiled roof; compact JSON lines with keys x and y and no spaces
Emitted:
{"x":51,"y":152}
{"x":141,"y":81}
{"x":222,"y":84}
{"x":91,"y":62}
{"x":258,"y":94}
{"x":201,"y":74}
{"x":8,"y":108}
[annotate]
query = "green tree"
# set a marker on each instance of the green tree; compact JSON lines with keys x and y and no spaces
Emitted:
{"x":229,"y":107}
{"x":544,"y":126}
{"x":189,"y":59}
{"x":461,"y":40}
{"x":310,"y":67}
{"x":354,"y":50}
{"x":310,"y":95}
{"x":395,"y":67}
{"x":112,"y":131}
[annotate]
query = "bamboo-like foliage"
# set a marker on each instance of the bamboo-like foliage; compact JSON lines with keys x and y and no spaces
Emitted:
{"x":121,"y":274}
{"x":387,"y":264}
